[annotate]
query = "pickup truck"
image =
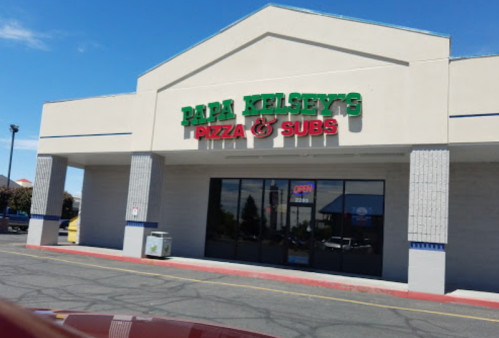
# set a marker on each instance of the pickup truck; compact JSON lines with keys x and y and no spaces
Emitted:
{"x":17,"y":219}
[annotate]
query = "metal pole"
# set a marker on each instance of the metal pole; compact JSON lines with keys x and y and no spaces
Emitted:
{"x":10,"y":161}
{"x":14,"y":129}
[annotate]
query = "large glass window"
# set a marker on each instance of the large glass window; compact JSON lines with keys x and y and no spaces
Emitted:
{"x":334,"y":225}
{"x":250,"y":218}
{"x":328,"y":225}
{"x":363,"y":227}
{"x":222,"y":218}
{"x":274,"y":221}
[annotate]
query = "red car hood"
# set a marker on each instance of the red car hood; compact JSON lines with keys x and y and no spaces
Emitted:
{"x":101,"y":325}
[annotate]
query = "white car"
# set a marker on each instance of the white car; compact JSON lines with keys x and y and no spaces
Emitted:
{"x":335,"y":243}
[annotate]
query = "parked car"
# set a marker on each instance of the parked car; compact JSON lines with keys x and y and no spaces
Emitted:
{"x":17,"y":219}
{"x":47,"y":323}
{"x":348,"y":244}
{"x":63,"y":224}
{"x":335,"y":243}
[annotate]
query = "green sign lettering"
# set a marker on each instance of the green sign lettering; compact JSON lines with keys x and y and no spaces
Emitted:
{"x":295,"y":101}
{"x":250,"y":108}
{"x":272,"y":104}
{"x":227,"y":112}
{"x":354,"y":107}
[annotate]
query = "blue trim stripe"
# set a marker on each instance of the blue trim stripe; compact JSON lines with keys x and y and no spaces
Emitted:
{"x":141,"y":224}
{"x":473,"y":115}
{"x":46,"y":217}
{"x":427,"y":246}
{"x":86,"y":135}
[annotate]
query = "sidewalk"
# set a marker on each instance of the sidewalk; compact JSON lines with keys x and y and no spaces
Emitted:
{"x":282,"y":274}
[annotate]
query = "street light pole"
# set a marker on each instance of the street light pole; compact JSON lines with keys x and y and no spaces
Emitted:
{"x":13,"y":129}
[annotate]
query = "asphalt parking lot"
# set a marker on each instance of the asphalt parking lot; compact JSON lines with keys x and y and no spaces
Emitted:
{"x":52,"y":280}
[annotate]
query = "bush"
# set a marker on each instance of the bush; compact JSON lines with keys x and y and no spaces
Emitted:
{"x":67,"y":206}
{"x":5,"y":194}
{"x":21,"y":200}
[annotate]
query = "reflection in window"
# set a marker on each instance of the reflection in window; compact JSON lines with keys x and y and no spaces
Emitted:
{"x":222,"y":218}
{"x":363,"y":227}
{"x":250,"y":219}
{"x":328,"y":225}
{"x":274,"y":221}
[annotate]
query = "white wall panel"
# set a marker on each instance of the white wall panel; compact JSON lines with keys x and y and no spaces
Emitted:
{"x":105,"y":190}
{"x":473,"y":248}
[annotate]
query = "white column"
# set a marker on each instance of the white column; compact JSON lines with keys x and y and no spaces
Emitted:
{"x":144,"y":201}
{"x":428,"y":218}
{"x":46,"y":202}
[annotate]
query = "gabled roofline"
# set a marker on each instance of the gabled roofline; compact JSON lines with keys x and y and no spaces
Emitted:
{"x":90,"y":97}
{"x":349,"y":18}
{"x":342,"y":17}
{"x":466,"y":57}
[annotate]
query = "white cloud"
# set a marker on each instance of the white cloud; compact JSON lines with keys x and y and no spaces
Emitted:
{"x":86,"y":46}
{"x":14,"y":31}
{"x":21,"y":144}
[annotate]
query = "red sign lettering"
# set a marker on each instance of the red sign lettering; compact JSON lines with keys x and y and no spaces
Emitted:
{"x":219,"y":132}
{"x":303,"y":189}
{"x":312,"y":127}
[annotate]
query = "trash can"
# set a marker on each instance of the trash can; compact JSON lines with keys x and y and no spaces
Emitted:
{"x":158,"y":244}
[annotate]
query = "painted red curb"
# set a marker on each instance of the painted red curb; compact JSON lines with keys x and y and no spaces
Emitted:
{"x":280,"y":278}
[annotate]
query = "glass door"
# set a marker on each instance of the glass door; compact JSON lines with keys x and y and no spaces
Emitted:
{"x":299,"y":234}
{"x":301,"y":220}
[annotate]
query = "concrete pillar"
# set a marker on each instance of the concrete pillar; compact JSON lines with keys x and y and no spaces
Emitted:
{"x":144,"y":201}
{"x":428,"y":218}
{"x":46,"y":202}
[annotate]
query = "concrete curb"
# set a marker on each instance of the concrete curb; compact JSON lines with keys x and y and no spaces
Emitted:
{"x":281,"y":278}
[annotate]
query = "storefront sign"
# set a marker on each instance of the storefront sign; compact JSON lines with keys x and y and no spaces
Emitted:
{"x":303,"y":189}
{"x":262,"y":128}
{"x":305,"y":104}
{"x":270,"y":104}
{"x":217,"y":132}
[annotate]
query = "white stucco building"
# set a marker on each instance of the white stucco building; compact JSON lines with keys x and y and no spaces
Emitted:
{"x":293,"y":138}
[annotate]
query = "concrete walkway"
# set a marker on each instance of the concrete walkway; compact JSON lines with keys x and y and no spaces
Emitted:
{"x":283,"y":274}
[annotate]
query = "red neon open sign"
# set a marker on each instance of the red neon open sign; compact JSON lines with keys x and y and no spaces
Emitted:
{"x":303,"y":189}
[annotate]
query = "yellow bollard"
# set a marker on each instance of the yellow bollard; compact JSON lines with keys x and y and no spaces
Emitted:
{"x":72,"y":229}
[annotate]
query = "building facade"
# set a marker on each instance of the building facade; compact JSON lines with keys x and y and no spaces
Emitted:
{"x":24,"y":183}
{"x":293,"y":138}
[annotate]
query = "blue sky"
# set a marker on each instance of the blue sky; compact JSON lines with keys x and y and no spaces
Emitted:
{"x":56,"y":49}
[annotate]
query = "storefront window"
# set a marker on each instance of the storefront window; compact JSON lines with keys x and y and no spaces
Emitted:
{"x":328,"y":225}
{"x":334,"y":225}
{"x":363,"y":227}
{"x":222,"y":218}
{"x":274,"y":221}
{"x":250,"y":218}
